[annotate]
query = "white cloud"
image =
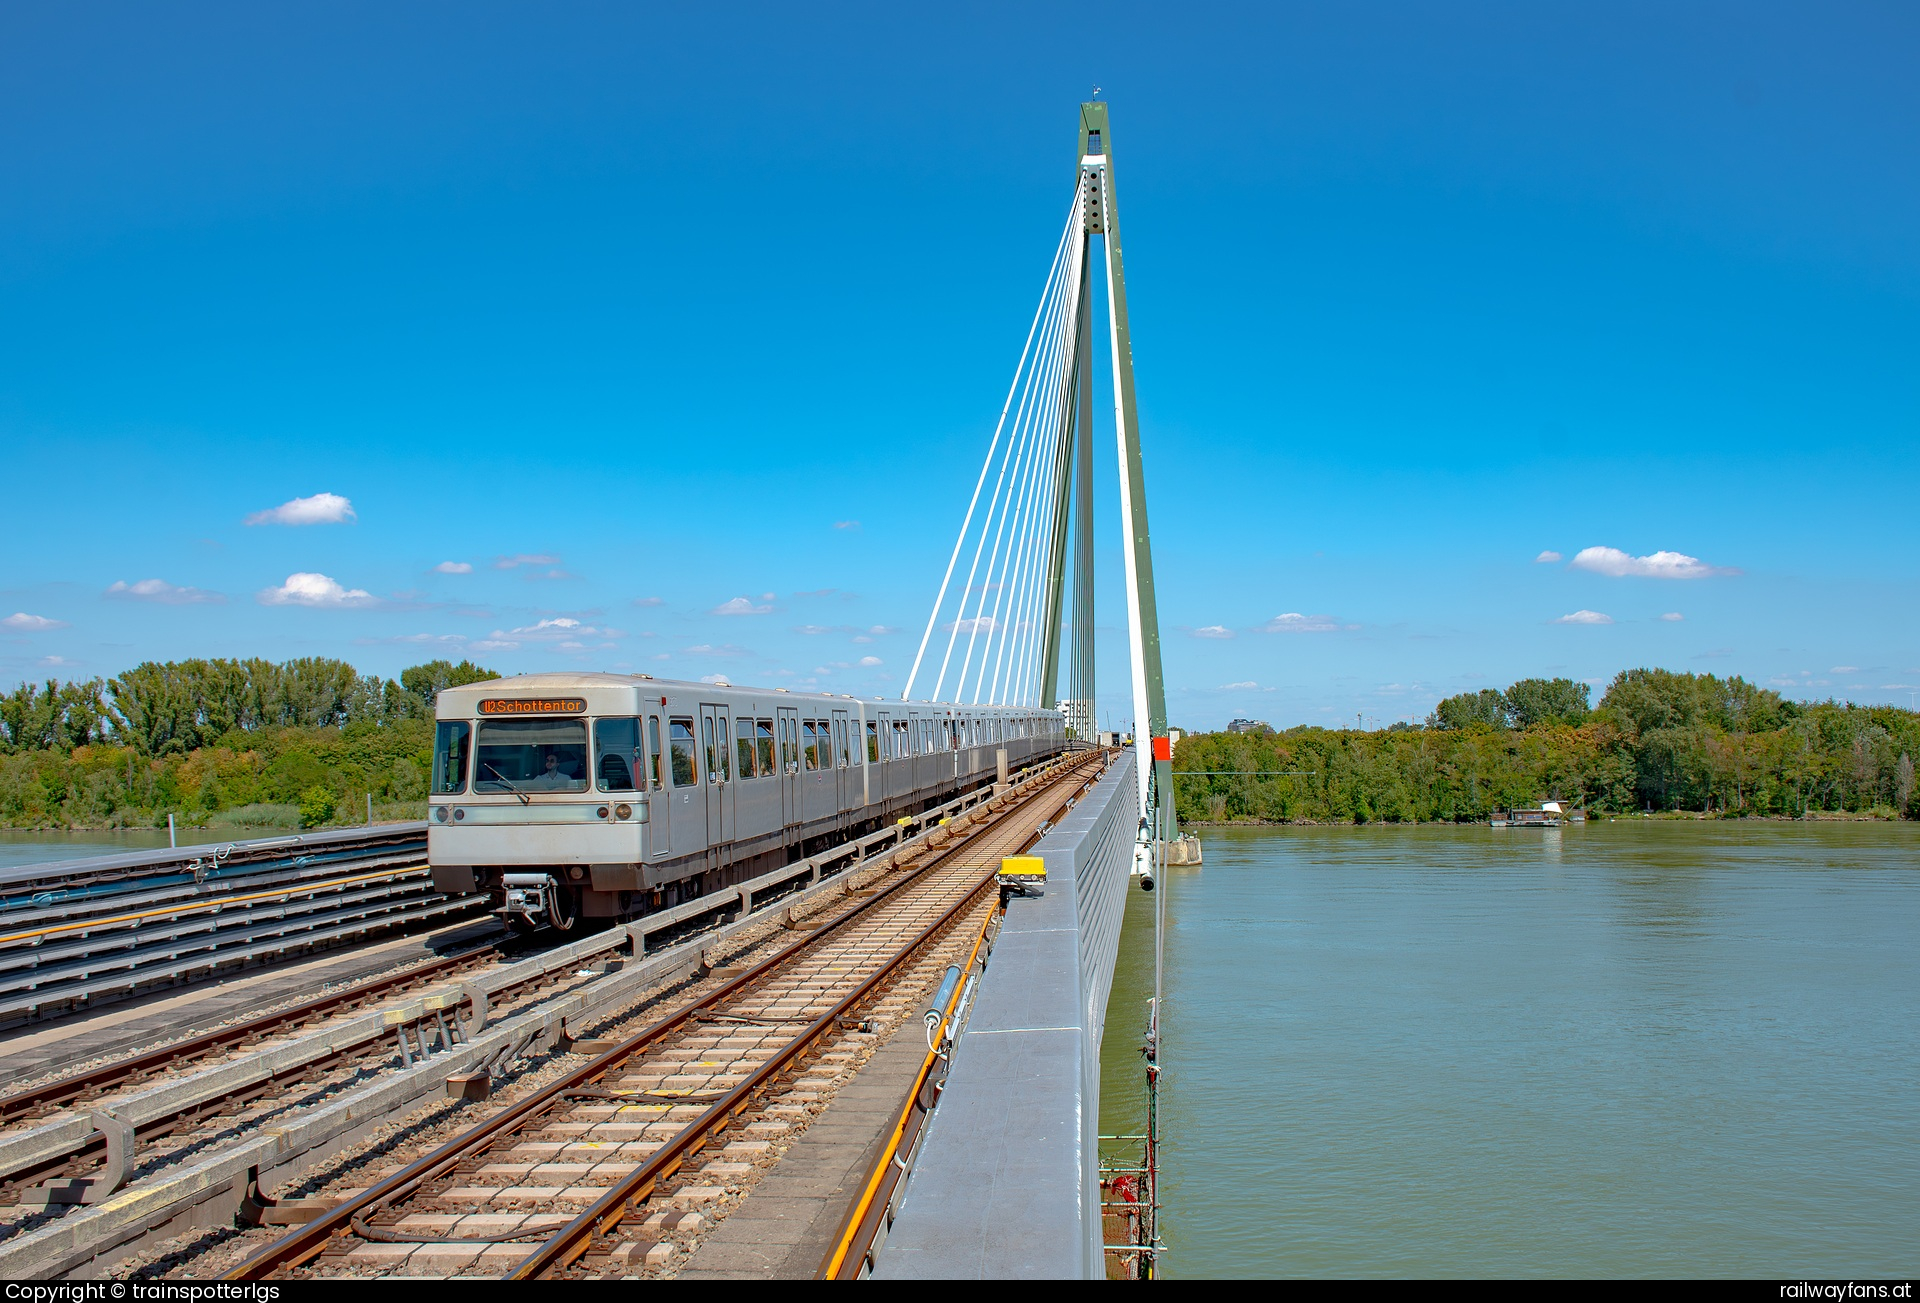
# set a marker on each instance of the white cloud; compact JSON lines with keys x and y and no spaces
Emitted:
{"x":454,"y":568}
{"x":648,"y":601}
{"x":563,"y":630}
{"x":743,"y":606}
{"x":717,"y":680}
{"x":1585,"y":617}
{"x":54,"y":662}
{"x":1546,"y":557}
{"x":1844,"y":669}
{"x":812,"y":630}
{"x":979,"y":624}
{"x":159,"y":590}
{"x":495,"y":644}
{"x":1614,"y":563}
{"x":32,"y":623}
{"x":1231,"y":687}
{"x":846,"y":524}
{"x":309,"y":589}
{"x":881,"y":630}
{"x":868,"y":662}
{"x":320,"y":509}
{"x":1673,"y":617}
{"x":708,"y":649}
{"x":525,"y":559}
{"x":1294,"y":622}
{"x":1213,"y":631}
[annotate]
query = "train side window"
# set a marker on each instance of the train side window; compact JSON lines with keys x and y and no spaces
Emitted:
{"x":681,"y":730}
{"x":653,"y":751}
{"x":789,"y":745}
{"x":452,"y":739}
{"x":873,"y":742}
{"x":844,"y":757}
{"x":763,"y":744}
{"x":811,"y":750}
{"x":616,"y":753}
{"x":743,"y":739}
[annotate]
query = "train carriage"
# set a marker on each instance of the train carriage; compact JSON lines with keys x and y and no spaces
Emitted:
{"x":583,"y":796}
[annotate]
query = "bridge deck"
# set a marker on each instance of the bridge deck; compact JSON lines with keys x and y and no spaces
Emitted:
{"x":1006,"y":1183}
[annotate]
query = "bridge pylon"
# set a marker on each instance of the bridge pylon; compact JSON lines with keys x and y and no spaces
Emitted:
{"x":1042,"y":501}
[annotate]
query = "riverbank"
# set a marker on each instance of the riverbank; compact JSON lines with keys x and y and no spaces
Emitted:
{"x":1885,"y":814}
{"x":258,"y":820}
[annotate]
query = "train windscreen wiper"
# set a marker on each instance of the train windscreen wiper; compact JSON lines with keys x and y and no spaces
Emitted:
{"x":524,"y":798}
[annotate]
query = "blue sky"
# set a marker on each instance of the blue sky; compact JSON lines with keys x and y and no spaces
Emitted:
{"x":647,"y":317}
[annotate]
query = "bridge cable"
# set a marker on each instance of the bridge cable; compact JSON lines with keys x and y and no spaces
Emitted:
{"x":1066,"y":242}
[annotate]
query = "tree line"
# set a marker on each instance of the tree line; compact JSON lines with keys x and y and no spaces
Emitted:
{"x":1657,"y":741}
{"x":206,"y":738}
{"x":222,"y":739}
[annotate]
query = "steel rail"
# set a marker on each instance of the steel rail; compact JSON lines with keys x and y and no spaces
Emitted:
{"x":205,"y":903}
{"x":63,"y":1090}
{"x":613,"y":1207}
{"x":854,"y":1244}
{"x":307,"y":1242}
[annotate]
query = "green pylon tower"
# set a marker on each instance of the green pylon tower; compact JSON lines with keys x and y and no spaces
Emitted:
{"x":1100,"y":218}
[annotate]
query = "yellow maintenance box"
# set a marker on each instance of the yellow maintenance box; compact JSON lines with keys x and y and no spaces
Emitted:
{"x":1023,"y":868}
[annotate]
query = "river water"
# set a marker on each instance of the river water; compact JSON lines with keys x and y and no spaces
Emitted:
{"x":1637,"y":1048}
{"x":19,"y":848}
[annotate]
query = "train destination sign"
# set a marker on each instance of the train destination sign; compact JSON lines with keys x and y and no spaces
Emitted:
{"x":533,"y":706}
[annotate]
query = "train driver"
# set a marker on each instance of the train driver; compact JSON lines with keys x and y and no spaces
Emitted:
{"x":553,"y":778}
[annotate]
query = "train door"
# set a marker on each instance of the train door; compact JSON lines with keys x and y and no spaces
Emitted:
{"x":842,"y":762}
{"x":715,"y":745}
{"x":689,"y":798}
{"x":659,"y":799}
{"x":789,"y":765}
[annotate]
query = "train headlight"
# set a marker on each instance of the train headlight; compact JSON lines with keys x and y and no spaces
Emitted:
{"x":601,"y":812}
{"x":623,"y":811}
{"x":440,"y":813}
{"x":458,"y":813}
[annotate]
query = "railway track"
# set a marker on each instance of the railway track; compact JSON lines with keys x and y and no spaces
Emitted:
{"x":81,"y":933}
{"x":562,"y":1182}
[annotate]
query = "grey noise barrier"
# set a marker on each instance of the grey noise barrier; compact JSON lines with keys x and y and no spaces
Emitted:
{"x":1006,"y":1183}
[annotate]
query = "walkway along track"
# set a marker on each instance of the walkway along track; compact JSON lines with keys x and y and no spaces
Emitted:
{"x":605,"y":1138}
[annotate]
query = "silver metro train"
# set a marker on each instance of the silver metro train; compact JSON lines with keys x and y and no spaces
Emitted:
{"x":570,"y":797}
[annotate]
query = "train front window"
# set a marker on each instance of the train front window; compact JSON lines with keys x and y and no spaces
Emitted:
{"x":531,"y":755}
{"x":451,"y":740}
{"x":616,"y":754}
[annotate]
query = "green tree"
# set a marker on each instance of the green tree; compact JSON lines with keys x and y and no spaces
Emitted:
{"x":316,"y":807}
{"x":1487,"y":707}
{"x":420,"y":684}
{"x":1546,"y":701}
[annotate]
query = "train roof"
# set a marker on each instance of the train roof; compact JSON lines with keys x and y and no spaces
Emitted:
{"x":562,"y":680}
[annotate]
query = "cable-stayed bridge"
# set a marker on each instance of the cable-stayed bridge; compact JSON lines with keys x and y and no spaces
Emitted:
{"x":1003,"y":622}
